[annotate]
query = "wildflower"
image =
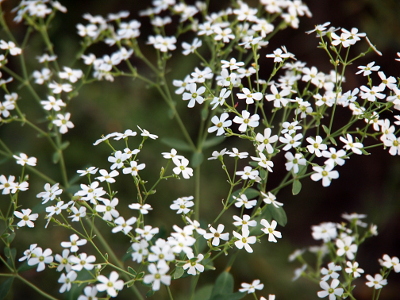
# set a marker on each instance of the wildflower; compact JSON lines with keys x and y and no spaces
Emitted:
{"x":220,"y":124}
{"x":265,"y":140}
{"x":63,"y":122}
{"x":90,"y":293}
{"x":64,"y":261}
{"x":117,"y":160}
{"x":161,"y":253}
{"x":330,"y":272}
{"x":146,"y":133}
{"x":108,"y":209}
{"x":270,"y":230}
{"x":70,"y":74}
{"x":40,"y":258}
{"x":390,"y":263}
{"x":58,"y":88}
{"x":291,"y":141}
{"x":52,"y":103}
{"x":67,"y":280}
{"x":249,"y":96}
{"x":278,"y":97}
{"x":83,"y":261}
{"x":182,"y":167}
{"x":248,"y":173}
{"x":193,"y":265}
{"x":28,"y":252}
{"x":271,"y":199}
{"x":112,"y":285}
{"x":345,"y":246}
{"x":56,"y":209}
{"x":144,"y":209}
{"x":235,"y":153}
{"x":191,"y":48}
{"x":334,"y":157}
{"x":352,"y":268}
{"x":74,"y":243}
{"x":140,"y":250}
{"x":216,"y":235}
{"x":194,"y":95}
{"x":157,"y":276}
{"x":376,"y":282}
{"x":263,"y":161}
{"x":316,"y":145}
{"x":325,"y":173}
{"x":294,"y":162}
{"x":123,"y":225}
{"x":278,"y":55}
{"x":244,"y":240}
{"x":325,"y":231}
{"x":10,"y":46}
{"x":182,"y":205}
{"x":147,"y":232}
{"x":133,"y":168}
{"x":223,"y":94}
{"x":368,"y":69}
{"x":251,"y":287}
{"x":244,"y":222}
{"x":26,"y":218}
{"x":243,"y":201}
{"x":331,"y":290}
{"x":108,"y":177}
{"x":349,"y":145}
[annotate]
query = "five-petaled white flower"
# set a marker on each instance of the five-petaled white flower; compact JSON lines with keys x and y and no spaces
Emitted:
{"x":270,"y":230}
{"x":194,"y":95}
{"x":182,"y":167}
{"x":251,"y":287}
{"x":330,"y":290}
{"x":112,"y":285}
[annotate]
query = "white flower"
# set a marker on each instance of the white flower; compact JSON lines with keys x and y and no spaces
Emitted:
{"x":108,"y":209}
{"x":325,"y":173}
{"x":330,"y":272}
{"x":216,"y":235}
{"x":251,"y":287}
{"x":330,"y":290}
{"x":40,"y":258}
{"x":220,"y":123}
{"x":352,"y":268}
{"x":194,"y":95}
{"x":243,"y":201}
{"x":157,"y":276}
{"x":112,"y":285}
{"x":182,"y":167}
{"x":345,"y":246}
{"x":244,"y":240}
{"x":67,"y":280}
{"x":74,"y":243}
{"x":193,"y":265}
{"x":270,"y":230}
{"x":82,"y":261}
{"x":123,"y":225}
{"x":246,"y":120}
{"x":26,"y":218}
{"x":350,"y":145}
{"x":376,"y":282}
{"x":63,"y":122}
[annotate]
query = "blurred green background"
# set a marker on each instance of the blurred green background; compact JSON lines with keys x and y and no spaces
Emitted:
{"x":369,"y":185}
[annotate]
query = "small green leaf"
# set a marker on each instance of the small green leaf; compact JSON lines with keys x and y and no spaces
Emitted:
{"x":203,"y":293}
{"x":213,"y":141}
{"x":56,"y":157}
{"x":296,"y":187}
{"x":326,"y":129}
{"x":149,"y":293}
{"x":132,"y":271}
{"x":10,"y":238}
{"x":5,"y":287}
{"x":64,"y":145}
{"x":178,"y":272}
{"x":177,"y":144}
{"x":275,"y":213}
{"x":197,"y":159}
{"x":223,"y":285}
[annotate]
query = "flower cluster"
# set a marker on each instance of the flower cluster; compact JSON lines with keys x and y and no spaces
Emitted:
{"x":341,"y":242}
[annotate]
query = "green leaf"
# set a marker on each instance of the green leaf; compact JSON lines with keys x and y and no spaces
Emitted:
{"x":10,"y":238}
{"x":275,"y":213}
{"x":178,"y":272}
{"x":177,"y":144}
{"x":150,"y":293}
{"x":296,"y":187}
{"x":232,"y":296}
{"x":132,"y":271}
{"x":213,"y":141}
{"x":250,"y":193}
{"x":223,"y":285}
{"x":56,"y":157}
{"x":197,"y":159}
{"x":64,"y":145}
{"x":5,"y":287}
{"x":203,"y":293}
